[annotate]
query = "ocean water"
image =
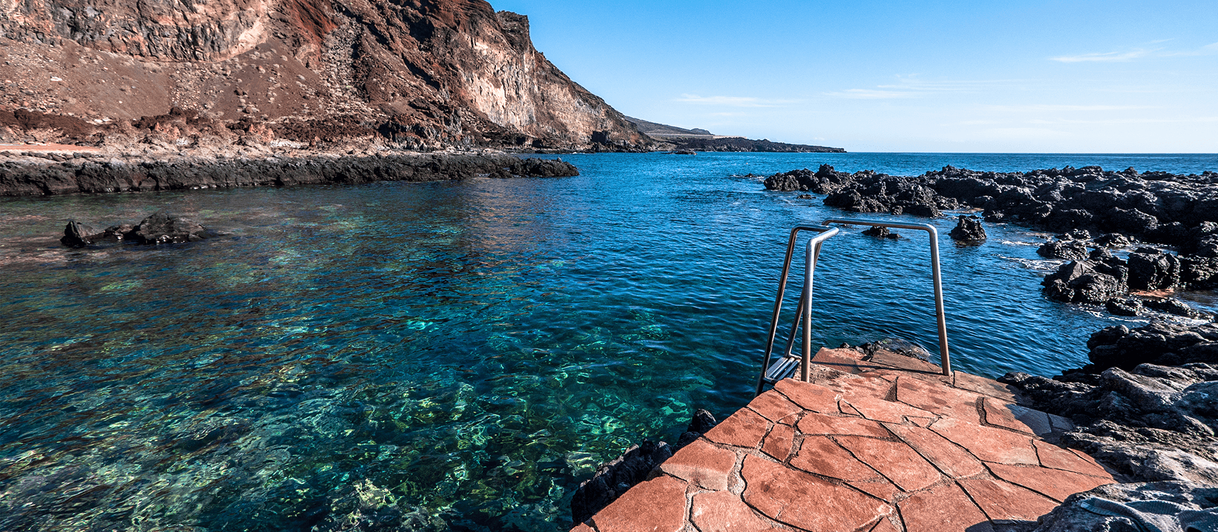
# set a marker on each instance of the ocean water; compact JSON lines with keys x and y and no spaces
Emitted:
{"x":452,"y":356}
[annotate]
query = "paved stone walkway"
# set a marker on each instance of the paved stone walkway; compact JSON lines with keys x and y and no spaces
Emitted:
{"x":883,"y":445}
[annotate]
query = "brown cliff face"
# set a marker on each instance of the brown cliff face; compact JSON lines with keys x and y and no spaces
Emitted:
{"x":429,"y":73}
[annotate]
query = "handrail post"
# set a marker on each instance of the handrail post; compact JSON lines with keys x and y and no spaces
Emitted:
{"x":824,"y":233}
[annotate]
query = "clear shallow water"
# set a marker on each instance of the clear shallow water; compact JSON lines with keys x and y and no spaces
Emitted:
{"x":450,"y":355}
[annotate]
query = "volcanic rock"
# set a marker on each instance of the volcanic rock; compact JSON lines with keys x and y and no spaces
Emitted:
{"x":1172,"y":505}
{"x":968,"y":230}
{"x":162,"y":228}
{"x":881,"y":232}
{"x":1063,"y":249}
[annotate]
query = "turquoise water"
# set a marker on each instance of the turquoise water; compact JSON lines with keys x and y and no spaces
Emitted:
{"x":450,"y":356}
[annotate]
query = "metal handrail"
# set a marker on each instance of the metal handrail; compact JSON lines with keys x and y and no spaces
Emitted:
{"x":804,"y":308}
{"x":935,"y":272}
{"x":805,"y":299}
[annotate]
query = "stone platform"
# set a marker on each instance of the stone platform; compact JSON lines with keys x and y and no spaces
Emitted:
{"x":878,"y":444}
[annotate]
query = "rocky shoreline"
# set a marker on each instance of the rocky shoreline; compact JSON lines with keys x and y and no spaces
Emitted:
{"x":38,"y":174}
{"x":1120,"y":208}
{"x":1147,"y":405}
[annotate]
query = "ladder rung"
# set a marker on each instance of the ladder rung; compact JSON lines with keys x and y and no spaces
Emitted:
{"x":781,"y":369}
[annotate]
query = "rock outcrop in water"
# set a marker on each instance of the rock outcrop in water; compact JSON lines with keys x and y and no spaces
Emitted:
{"x":66,"y":175}
{"x":968,"y":230}
{"x":1158,"y":207}
{"x":427,"y":74}
{"x":159,"y":228}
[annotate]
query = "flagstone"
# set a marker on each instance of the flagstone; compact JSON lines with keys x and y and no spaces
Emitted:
{"x":813,"y":423}
{"x":987,"y":443}
{"x":1015,"y":417}
{"x":945,"y":508}
{"x":779,"y":442}
{"x":1003,"y":501}
{"x":723,"y":511}
{"x":945,"y":455}
{"x":882,"y":410}
{"x":854,"y":386}
{"x":885,"y":525}
{"x":745,"y":428}
{"x":895,"y":460}
{"x":938,"y":398}
{"x":1055,"y":457}
{"x":804,"y":501}
{"x":657,"y":505}
{"x":880,"y":488}
{"x":809,"y":396}
{"x":822,"y":456}
{"x":702,"y":464}
{"x":967,"y":381}
{"x":774,"y":407}
{"x":1054,"y":483}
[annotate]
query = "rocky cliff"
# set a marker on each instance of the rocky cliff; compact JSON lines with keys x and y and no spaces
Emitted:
{"x":426,"y":73}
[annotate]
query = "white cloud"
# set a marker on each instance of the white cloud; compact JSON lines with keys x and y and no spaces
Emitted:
{"x":732,"y":101}
{"x":1118,"y":57}
{"x":1055,"y":108}
{"x":1107,"y":57}
{"x":871,"y":94}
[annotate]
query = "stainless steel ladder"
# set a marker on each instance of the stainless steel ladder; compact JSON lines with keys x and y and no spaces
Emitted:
{"x":785,"y":366}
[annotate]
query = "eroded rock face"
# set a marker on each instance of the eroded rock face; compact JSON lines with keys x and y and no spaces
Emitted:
{"x":435,"y":73}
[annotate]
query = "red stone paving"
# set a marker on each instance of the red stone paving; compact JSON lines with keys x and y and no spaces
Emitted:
{"x":893,"y":459}
{"x":946,"y":508}
{"x":813,"y":423}
{"x":809,"y":396}
{"x":723,"y":511}
{"x":939,"y":399}
{"x":745,"y":428}
{"x":1055,"y":483}
{"x":702,"y":464}
{"x":886,"y":411}
{"x":1055,"y":457}
{"x":1003,"y":501}
{"x":806,"y":502}
{"x":953,"y":454}
{"x":989,"y":444}
{"x":950,"y":458}
{"x":779,"y":442}
{"x":823,"y":456}
{"x":774,"y":407}
{"x":657,"y":505}
{"x":1015,"y":417}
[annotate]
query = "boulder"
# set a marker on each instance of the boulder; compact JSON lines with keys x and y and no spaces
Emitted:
{"x":1161,"y":343}
{"x":1153,"y":271}
{"x":1086,"y":282}
{"x":1063,"y":249}
{"x":77,"y":235}
{"x":1124,"y":306}
{"x":881,"y":232}
{"x":162,"y":228}
{"x":968,"y":230}
{"x":1111,"y":240}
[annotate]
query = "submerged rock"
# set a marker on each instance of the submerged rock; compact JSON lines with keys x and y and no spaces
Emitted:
{"x":162,"y":228}
{"x":968,"y":230}
{"x":159,"y":228}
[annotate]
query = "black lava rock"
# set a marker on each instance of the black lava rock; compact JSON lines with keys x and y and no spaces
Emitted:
{"x":968,"y":230}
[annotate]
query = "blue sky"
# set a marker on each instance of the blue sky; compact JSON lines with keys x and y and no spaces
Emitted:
{"x":1034,"y":76}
